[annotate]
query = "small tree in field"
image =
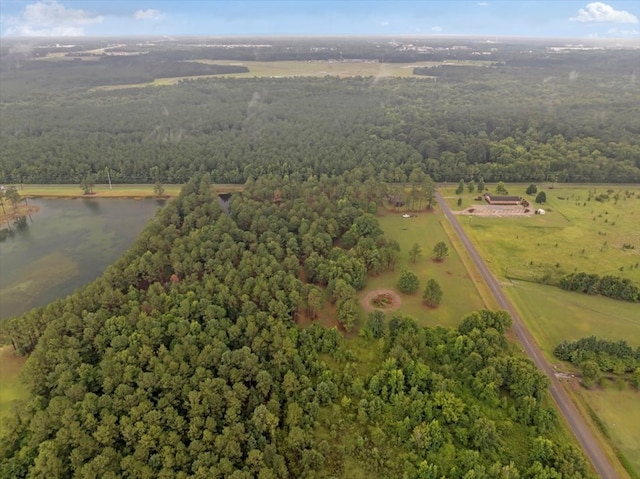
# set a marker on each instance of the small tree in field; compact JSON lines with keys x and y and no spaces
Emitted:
{"x":459,"y":201}
{"x":415,"y":252}
{"x":408,"y":282}
{"x":501,"y":189}
{"x":460,"y":187}
{"x":87,"y":185}
{"x":541,"y":197}
{"x":432,"y":294}
{"x":440,"y":251}
{"x":471,"y":187}
{"x":532,"y":189}
{"x":158,"y":189}
{"x":481,"y":186}
{"x":590,"y":373}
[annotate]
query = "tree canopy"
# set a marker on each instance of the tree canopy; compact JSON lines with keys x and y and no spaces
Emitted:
{"x":185,"y":360}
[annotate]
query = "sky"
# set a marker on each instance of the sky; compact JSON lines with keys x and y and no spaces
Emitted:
{"x":542,"y":18}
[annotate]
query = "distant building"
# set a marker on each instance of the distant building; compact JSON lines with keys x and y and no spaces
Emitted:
{"x":502,"y":200}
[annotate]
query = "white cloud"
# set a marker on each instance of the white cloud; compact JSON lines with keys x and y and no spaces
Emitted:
{"x":601,"y":12}
{"x":48,"y":18}
{"x":150,"y":14}
{"x":483,"y":4}
{"x":436,"y":29}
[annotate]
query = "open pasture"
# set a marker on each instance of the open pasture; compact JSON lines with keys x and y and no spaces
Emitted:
{"x":619,"y":416}
{"x":460,"y":295}
{"x":592,"y":229}
{"x":284,"y":69}
{"x":553,"y":315}
{"x":578,"y":233}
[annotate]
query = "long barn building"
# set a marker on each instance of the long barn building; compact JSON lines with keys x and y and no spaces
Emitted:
{"x":502,"y":200}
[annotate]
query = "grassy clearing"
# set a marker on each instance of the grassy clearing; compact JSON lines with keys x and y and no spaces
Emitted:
{"x":460,"y":294}
{"x":117,"y":191}
{"x":553,"y":315}
{"x":11,"y":388}
{"x":576,"y":234}
{"x":618,"y":417}
{"x":278,"y":69}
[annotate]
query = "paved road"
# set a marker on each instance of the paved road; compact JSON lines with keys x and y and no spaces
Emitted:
{"x":577,"y":424}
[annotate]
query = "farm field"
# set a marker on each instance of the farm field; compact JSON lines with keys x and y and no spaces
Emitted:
{"x":460,"y":295}
{"x":275,"y":69}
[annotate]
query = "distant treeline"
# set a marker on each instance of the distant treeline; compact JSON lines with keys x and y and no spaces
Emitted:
{"x":610,"y":286}
{"x":119,"y":70}
{"x":499,"y":123}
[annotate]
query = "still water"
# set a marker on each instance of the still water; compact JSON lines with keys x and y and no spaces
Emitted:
{"x":66,"y":244}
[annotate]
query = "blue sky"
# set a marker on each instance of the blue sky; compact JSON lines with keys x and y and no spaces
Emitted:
{"x":544,"y":18}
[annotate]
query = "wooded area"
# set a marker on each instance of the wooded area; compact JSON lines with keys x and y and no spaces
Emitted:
{"x":184,"y":359}
{"x":567,"y":117}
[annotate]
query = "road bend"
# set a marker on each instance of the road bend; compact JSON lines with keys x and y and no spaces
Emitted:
{"x":576,"y":422}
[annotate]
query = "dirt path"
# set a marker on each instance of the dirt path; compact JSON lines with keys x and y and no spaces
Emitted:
{"x":369,"y":307}
{"x":575,"y":421}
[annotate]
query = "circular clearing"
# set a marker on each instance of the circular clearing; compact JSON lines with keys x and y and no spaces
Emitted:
{"x":381,"y":300}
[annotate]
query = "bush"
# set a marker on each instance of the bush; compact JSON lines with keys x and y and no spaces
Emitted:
{"x":532,"y":189}
{"x":541,"y":197}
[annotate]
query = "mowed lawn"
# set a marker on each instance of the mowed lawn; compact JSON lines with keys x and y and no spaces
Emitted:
{"x":619,"y":413}
{"x":460,"y":295}
{"x":11,"y":388}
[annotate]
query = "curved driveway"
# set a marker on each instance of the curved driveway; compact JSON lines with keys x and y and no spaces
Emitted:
{"x":577,"y":424}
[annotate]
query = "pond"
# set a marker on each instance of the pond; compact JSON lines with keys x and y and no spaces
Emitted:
{"x":66,"y":244}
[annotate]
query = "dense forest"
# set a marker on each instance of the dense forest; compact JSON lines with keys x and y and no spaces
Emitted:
{"x":185,"y":359}
{"x":567,"y":117}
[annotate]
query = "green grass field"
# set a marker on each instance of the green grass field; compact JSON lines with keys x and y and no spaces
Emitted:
{"x":553,"y":315}
{"x":117,"y":191}
{"x":460,"y":295}
{"x":278,"y":69}
{"x":578,"y":233}
{"x":618,"y":413}
{"x":11,"y":388}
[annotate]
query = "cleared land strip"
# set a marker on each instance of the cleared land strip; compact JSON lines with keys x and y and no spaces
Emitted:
{"x":577,"y":424}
